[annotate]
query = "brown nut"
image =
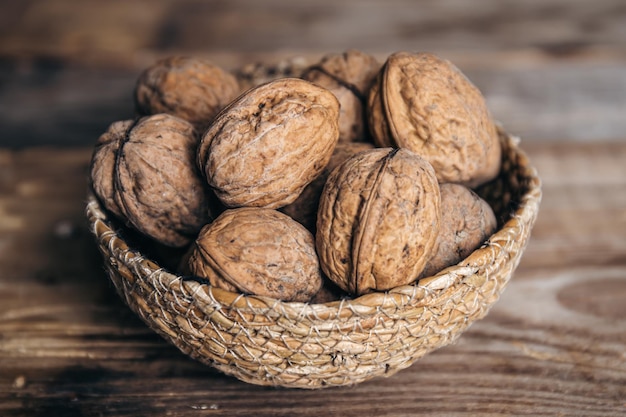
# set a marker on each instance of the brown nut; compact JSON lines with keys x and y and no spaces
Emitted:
{"x":257,"y":251}
{"x":348,"y":76}
{"x":466,"y":222}
{"x":304,"y":208}
{"x":190,"y":88}
{"x":257,"y":73}
{"x":144,"y":173}
{"x":267,"y":145}
{"x":378,"y":220}
{"x":425,"y":104}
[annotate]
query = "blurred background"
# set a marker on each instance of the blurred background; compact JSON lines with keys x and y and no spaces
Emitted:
{"x":550,"y":69}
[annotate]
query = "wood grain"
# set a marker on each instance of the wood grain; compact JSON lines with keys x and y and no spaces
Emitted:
{"x":127,"y":31}
{"x":553,"y":345}
{"x":550,"y":70}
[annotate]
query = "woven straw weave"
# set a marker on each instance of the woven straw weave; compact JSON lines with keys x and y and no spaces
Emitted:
{"x":269,"y":342}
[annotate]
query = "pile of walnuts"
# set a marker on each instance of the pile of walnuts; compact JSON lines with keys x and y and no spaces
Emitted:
{"x":350,"y":177}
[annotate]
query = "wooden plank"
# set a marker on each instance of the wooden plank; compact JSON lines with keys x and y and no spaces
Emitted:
{"x":553,"y":345}
{"x":123,"y":31}
{"x":582,"y":219}
{"x":549,"y":70}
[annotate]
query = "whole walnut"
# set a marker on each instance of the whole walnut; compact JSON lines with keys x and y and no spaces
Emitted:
{"x":378,"y":220}
{"x":424,"y":103}
{"x":304,"y":208}
{"x":143,"y":171}
{"x":257,"y":251}
{"x":348,"y":76}
{"x":190,"y":88}
{"x":267,"y":145}
{"x":466,"y":222}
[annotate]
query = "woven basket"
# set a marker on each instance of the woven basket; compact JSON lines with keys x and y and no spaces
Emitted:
{"x":268,"y":342}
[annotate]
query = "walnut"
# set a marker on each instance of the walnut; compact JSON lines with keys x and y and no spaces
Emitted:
{"x":257,"y":251}
{"x":257,"y":73}
{"x":304,"y":208}
{"x":267,"y":145}
{"x":378,"y":220}
{"x":425,"y":104}
{"x":466,"y":222}
{"x":190,"y":88}
{"x":143,"y":171}
{"x":348,"y":76}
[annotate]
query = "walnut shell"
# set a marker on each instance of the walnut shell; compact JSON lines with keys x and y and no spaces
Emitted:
{"x":104,"y":161}
{"x":143,"y":172}
{"x":190,"y":88}
{"x":304,"y":208}
{"x":348,"y":76}
{"x":257,"y":251}
{"x":267,"y":145}
{"x":257,"y":73}
{"x":378,"y":220}
{"x":425,"y":104}
{"x":466,"y":222}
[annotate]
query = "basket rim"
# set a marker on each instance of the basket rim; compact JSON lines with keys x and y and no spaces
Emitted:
{"x":416,"y":293}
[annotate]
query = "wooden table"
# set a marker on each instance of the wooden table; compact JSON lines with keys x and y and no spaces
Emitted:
{"x":554,"y":344}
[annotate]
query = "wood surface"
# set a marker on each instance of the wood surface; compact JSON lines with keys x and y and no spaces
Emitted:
{"x":550,"y":69}
{"x":554,"y":72}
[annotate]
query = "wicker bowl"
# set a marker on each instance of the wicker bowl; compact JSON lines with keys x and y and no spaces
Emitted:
{"x":269,"y":342}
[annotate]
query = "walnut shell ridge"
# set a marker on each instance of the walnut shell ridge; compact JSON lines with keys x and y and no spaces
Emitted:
{"x":144,"y":172}
{"x":257,"y":251}
{"x":424,"y":103}
{"x":266,"y":146}
{"x":378,"y":220}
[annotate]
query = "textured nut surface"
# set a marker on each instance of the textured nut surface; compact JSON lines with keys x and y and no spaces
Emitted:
{"x":267,"y":145}
{"x":378,"y":219}
{"x":257,"y":251}
{"x":144,"y":173}
{"x":348,"y":76}
{"x":425,"y":104}
{"x":257,"y":73}
{"x":103,"y":164}
{"x":304,"y":208}
{"x":190,"y":88}
{"x":466,"y":222}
